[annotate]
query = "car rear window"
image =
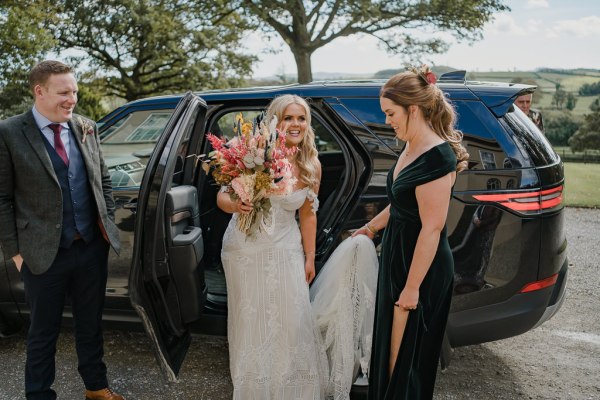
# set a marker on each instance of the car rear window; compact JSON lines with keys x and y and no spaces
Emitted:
{"x":473,"y":119}
{"x":532,"y":143}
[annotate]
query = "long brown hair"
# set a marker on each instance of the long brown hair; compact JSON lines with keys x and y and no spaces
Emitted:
{"x":307,"y":155}
{"x":416,"y":87}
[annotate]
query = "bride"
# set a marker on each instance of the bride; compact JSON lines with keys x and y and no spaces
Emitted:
{"x":281,"y":347}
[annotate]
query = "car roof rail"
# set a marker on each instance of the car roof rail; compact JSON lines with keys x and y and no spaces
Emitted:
{"x":453,"y":76}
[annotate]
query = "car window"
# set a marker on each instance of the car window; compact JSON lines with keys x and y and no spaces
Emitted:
{"x":368,"y":110}
{"x":528,"y":138}
{"x":128,"y":143}
{"x":473,"y":119}
{"x":225,"y":123}
{"x":476,"y":123}
{"x":137,"y":127}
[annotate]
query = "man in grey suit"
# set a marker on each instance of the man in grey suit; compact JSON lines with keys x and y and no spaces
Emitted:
{"x":56,"y":223}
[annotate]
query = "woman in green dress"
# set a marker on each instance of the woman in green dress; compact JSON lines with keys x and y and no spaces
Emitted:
{"x":416,"y":271}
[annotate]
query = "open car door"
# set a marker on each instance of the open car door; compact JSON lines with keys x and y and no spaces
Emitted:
{"x":167,"y":285}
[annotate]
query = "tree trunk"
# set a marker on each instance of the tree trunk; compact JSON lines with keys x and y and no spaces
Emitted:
{"x":303,"y":65}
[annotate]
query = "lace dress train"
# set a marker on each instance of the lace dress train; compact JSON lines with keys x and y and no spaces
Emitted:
{"x":343,"y":302}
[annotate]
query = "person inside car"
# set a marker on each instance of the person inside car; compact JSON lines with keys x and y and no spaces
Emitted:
{"x":524,"y":103}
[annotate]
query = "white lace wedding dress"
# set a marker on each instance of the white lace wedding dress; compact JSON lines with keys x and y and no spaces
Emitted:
{"x":279,"y":346}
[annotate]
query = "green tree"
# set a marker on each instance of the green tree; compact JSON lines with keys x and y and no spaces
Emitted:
{"x":571,"y":101}
{"x":595,"y":105}
{"x":559,"y":129}
{"x":149,"y":47}
{"x":402,"y":26}
{"x":22,"y":45}
{"x":589,"y":89}
{"x":588,"y":136}
{"x":559,"y":97}
{"x":90,"y":96}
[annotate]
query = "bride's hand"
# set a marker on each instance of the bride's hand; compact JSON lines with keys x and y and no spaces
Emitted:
{"x":409,"y":298}
{"x":242,"y":208}
{"x":309,"y":271}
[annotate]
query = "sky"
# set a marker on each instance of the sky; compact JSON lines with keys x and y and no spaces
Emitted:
{"x":534,"y":34}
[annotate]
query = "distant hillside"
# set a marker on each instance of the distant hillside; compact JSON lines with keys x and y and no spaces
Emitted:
{"x":545,"y":79}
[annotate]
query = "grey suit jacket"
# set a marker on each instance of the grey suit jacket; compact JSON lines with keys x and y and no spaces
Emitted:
{"x":30,"y":196}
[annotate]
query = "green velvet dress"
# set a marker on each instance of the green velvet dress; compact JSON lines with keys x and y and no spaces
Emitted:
{"x":414,"y":375}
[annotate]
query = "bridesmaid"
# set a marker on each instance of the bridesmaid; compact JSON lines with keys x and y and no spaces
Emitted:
{"x":417,"y":268}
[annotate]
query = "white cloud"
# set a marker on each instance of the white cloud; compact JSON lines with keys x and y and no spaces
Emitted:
{"x":581,"y":28}
{"x":533,"y":25}
{"x":537,"y":4}
{"x":574,"y":28}
{"x":504,"y":23}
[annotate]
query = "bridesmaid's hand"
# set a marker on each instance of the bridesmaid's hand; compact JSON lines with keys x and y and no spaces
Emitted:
{"x":309,"y":271}
{"x":242,"y":208}
{"x":409,"y":298}
{"x":363,"y":230}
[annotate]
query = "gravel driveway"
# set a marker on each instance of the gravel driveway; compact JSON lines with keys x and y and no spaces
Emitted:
{"x":558,"y":360}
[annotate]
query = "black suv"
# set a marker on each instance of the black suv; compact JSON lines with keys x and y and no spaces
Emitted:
{"x":505,"y":222}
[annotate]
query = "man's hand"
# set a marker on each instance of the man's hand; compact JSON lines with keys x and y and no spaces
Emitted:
{"x":18,"y":260}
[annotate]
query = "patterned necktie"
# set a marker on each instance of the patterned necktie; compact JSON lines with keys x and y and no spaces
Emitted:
{"x":58,"y":143}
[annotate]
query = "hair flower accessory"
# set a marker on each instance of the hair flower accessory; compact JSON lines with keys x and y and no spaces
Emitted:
{"x":424,"y":73}
{"x":430,"y":78}
{"x":86,"y":128}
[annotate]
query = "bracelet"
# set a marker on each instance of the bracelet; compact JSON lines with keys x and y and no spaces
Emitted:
{"x":374,"y":232}
{"x":308,"y":253}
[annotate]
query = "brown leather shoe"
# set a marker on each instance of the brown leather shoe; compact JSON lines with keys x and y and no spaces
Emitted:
{"x":102,"y":394}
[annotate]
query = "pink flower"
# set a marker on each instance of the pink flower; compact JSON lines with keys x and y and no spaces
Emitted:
{"x":86,"y":128}
{"x":252,"y":173}
{"x":431,"y":78}
{"x":243,"y":186}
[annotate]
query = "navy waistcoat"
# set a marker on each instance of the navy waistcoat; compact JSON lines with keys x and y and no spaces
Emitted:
{"x":79,"y":209}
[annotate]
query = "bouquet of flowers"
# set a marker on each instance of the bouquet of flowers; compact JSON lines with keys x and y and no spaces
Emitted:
{"x":253,"y":166}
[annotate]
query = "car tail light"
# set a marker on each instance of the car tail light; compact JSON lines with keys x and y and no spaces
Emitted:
{"x":538,"y":285}
{"x":526,"y":202}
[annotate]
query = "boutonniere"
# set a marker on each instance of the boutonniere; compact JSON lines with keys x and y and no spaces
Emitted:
{"x":86,"y":128}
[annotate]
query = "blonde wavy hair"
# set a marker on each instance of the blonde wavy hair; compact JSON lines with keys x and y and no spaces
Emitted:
{"x":413,"y":87}
{"x":307,"y":155}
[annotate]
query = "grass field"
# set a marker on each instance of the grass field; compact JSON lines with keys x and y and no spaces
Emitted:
{"x":561,"y":150}
{"x":582,"y":187}
{"x":545,"y":80}
{"x":582,"y":106}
